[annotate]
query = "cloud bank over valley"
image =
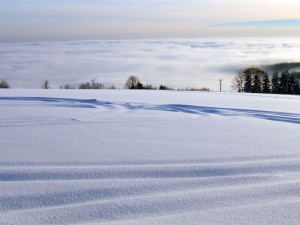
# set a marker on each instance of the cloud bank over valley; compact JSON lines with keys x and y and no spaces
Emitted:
{"x":178,"y":63}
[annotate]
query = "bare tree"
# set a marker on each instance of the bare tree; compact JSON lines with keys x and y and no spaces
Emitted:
{"x":164,"y":87}
{"x":149,"y":87}
{"x":132,"y":82}
{"x":45,"y":84}
{"x":238,"y":82}
{"x":86,"y":85}
{"x":67,"y":86}
{"x":97,"y":85}
{"x":112,"y":87}
{"x":4,"y":84}
{"x":195,"y":89}
{"x":91,"y":85}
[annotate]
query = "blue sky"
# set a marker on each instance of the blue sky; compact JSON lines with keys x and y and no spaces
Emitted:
{"x":64,"y":20}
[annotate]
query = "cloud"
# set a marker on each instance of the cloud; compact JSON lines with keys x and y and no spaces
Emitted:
{"x":175,"y":62}
{"x":267,"y":23}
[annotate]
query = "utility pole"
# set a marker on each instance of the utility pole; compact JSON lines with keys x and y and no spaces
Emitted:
{"x":221,"y":84}
{"x":93,"y":82}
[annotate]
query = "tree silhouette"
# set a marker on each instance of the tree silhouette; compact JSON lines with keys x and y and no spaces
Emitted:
{"x":132,"y":82}
{"x":284,"y":84}
{"x":45,"y":84}
{"x":4,"y":84}
{"x":238,"y":82}
{"x":266,"y":84}
{"x":256,"y":88}
{"x":275,"y":83}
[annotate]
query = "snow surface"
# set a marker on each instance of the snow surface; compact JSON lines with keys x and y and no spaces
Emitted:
{"x":148,"y":157}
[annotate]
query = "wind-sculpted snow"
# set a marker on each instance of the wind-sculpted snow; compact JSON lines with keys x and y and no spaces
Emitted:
{"x":63,"y":195}
{"x":190,"y":109}
{"x":148,"y":157}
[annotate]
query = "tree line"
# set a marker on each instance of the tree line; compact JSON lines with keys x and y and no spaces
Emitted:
{"x":134,"y":82}
{"x":251,"y":80}
{"x":255,"y":80}
{"x":294,"y":66}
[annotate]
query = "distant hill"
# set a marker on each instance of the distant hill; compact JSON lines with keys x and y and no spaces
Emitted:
{"x":291,"y":67}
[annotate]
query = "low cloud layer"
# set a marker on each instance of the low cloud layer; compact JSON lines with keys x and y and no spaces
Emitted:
{"x":265,"y":23}
{"x":177,"y":63}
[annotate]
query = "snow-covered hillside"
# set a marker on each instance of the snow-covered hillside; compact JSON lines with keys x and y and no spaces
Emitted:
{"x":148,"y":157}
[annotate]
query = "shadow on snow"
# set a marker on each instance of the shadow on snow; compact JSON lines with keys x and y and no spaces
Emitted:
{"x":189,"y":109}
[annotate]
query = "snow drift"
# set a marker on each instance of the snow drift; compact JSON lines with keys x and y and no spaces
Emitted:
{"x":148,"y":157}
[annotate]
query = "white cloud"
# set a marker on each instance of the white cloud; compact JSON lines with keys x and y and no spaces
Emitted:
{"x":175,"y":62}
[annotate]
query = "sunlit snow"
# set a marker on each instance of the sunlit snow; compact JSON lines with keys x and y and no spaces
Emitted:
{"x":148,"y":157}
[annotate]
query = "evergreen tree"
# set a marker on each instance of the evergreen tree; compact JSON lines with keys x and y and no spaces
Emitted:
{"x":297,"y":88}
{"x":284,"y":84}
{"x":256,"y":88}
{"x":250,"y":75}
{"x":275,"y":83}
{"x":266,"y":84}
{"x":292,"y":83}
{"x":248,"y":83}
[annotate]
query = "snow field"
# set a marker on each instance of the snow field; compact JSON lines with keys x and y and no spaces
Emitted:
{"x":148,"y":157}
